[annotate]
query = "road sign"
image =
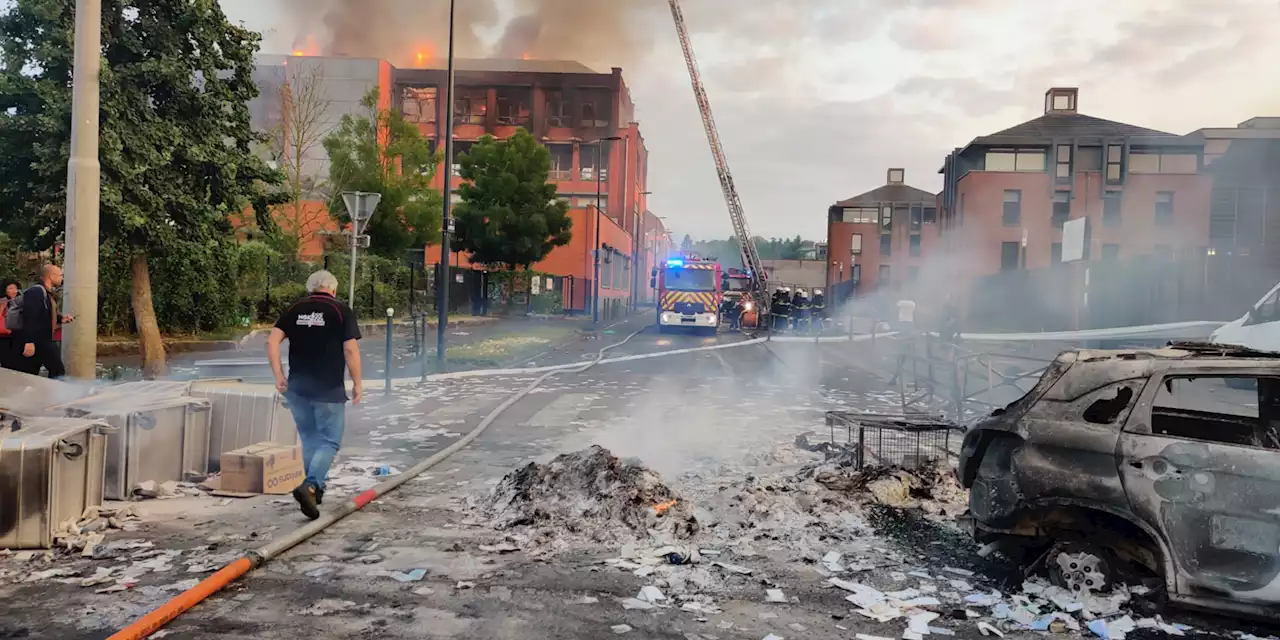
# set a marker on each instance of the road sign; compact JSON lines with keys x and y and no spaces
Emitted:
{"x":362,"y":241}
{"x":451,"y":225}
{"x":360,"y":204}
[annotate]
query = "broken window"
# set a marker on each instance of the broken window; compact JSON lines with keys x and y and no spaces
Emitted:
{"x":559,"y":110}
{"x":513,"y":106}
{"x":587,"y":154}
{"x":419,"y":104}
{"x":561,"y":161}
{"x":471,"y":106}
{"x":1109,"y":404}
{"x":1223,"y":409}
{"x":594,"y":108}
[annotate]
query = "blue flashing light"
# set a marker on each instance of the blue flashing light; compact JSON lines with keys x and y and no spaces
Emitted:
{"x":675,"y":262}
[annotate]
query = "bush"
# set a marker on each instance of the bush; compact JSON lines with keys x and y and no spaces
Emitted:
{"x":282,"y":296}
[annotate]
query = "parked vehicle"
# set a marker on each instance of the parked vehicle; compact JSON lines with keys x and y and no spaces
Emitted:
{"x":1259,"y":328}
{"x":1120,"y":465}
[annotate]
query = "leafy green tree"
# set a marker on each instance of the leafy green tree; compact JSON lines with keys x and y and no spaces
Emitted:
{"x":378,"y":151}
{"x":175,"y":137}
{"x":509,"y":214}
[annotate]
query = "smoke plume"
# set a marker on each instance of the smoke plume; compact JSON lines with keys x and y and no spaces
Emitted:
{"x":407,"y":32}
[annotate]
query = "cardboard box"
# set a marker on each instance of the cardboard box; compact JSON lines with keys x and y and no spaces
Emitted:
{"x":266,"y":467}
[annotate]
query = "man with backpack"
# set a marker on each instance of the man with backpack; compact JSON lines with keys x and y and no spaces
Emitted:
{"x":38,"y":323}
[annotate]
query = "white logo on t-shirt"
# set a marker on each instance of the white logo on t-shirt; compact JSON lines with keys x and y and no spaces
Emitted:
{"x":311,"y":320}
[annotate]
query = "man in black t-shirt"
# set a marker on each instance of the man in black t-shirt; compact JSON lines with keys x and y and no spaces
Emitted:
{"x":322,"y":334}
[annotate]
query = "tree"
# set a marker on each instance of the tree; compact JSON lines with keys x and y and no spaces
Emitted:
{"x":295,"y":139}
{"x":509,"y":213}
{"x":176,"y":141}
{"x":378,"y":151}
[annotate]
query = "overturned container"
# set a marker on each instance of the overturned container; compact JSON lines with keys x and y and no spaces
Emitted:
{"x":33,"y":395}
{"x":155,"y":437}
{"x":51,"y":470}
{"x":243,"y":414}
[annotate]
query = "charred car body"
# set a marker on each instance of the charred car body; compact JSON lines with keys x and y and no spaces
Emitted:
{"x":1166,"y":460}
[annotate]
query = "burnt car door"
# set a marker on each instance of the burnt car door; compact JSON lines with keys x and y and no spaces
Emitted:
{"x":1200,"y":464}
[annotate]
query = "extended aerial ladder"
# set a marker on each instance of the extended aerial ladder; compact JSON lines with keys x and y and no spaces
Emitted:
{"x":750,"y":256}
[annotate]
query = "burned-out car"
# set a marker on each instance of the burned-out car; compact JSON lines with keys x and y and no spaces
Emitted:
{"x":1164,"y":462}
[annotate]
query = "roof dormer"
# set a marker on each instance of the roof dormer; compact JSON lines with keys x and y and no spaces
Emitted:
{"x":1061,"y":100}
{"x":896,"y":176}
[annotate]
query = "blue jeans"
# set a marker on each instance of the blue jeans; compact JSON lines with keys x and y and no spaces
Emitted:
{"x":320,"y":427}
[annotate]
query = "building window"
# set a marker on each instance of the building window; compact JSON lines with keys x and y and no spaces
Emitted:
{"x":559,"y":111}
{"x":419,"y":104}
{"x":1062,"y":168}
{"x":594,"y":108}
{"x":855,"y":244}
{"x":913,"y":245}
{"x":1009,"y":254}
{"x":1055,"y":253}
{"x":855,"y":273}
{"x":882,"y":278}
{"x":1012,"y":208}
{"x":859,"y":215}
{"x":460,"y":147}
{"x":886,"y":220}
{"x":561,"y":161}
{"x":1151,"y":161}
{"x":587,"y":162}
{"x":913,"y":274}
{"x":886,"y":244}
{"x":896,"y":176}
{"x":1111,"y":209}
{"x":513,"y":106}
{"x":1063,"y":102}
{"x":1115,"y":158}
{"x":1110,"y":251}
{"x":917,"y":218}
{"x":1164,"y":207}
{"x":471,"y":106}
{"x":1023,"y":160}
{"x":930,"y":215}
{"x":1061,"y":208}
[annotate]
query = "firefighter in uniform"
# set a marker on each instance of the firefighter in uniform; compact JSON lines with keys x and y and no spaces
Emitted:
{"x":818,"y":308}
{"x":800,"y":311}
{"x":781,"y":308}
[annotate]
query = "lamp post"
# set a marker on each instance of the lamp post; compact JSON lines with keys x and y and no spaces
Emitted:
{"x":84,"y":190}
{"x":595,"y":285}
{"x":446,"y":225}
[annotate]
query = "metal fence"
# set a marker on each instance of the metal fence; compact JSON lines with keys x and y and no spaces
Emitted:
{"x":909,"y":441}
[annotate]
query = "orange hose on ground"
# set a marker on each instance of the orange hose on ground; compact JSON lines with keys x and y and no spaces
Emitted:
{"x":152,"y":622}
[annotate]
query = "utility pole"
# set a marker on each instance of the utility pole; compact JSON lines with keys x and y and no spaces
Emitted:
{"x":446,"y":226}
{"x":84,"y":188}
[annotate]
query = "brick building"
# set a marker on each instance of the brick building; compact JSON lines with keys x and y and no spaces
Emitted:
{"x":584,"y":118}
{"x":880,"y":236}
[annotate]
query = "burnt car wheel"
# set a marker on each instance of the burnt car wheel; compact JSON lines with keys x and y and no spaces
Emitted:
{"x":1081,"y":568}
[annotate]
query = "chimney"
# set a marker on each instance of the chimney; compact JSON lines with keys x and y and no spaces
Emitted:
{"x":1061,"y":100}
{"x":896,"y":176}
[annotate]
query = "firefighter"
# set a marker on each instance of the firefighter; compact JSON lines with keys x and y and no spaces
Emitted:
{"x":730,"y":309}
{"x":800,"y":311}
{"x":781,"y":308}
{"x":818,"y":308}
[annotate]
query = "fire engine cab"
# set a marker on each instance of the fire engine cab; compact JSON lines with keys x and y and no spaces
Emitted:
{"x":689,"y":294}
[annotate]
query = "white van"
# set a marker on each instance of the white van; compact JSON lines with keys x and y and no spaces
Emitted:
{"x":1258,"y":329}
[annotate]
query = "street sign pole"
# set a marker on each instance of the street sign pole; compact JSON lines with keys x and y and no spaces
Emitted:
{"x":360,"y":206}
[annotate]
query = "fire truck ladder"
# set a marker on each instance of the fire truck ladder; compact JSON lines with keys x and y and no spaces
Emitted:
{"x":750,"y":256}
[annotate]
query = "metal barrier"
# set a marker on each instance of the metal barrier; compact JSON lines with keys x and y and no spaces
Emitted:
{"x":908,"y":441}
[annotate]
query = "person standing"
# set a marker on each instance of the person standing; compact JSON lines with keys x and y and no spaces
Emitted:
{"x":40,"y":320}
{"x":8,"y":347}
{"x":322,"y":334}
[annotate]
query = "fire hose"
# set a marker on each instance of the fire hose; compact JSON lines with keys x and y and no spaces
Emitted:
{"x":183,"y":602}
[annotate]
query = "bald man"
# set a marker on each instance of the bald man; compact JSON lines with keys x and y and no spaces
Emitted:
{"x":40,"y":320}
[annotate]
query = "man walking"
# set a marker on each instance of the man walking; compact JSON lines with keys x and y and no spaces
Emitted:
{"x":40,"y":320}
{"x":322,"y":334}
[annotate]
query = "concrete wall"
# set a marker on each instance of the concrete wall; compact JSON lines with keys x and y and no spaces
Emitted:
{"x":803,"y":273}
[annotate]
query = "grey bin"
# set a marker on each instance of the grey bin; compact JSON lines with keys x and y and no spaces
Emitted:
{"x":156,"y":437}
{"x":244,"y":413}
{"x":246,"y":369}
{"x":52,"y":471}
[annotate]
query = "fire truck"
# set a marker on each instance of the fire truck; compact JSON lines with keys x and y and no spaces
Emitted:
{"x":737,"y":286}
{"x":689,"y":294}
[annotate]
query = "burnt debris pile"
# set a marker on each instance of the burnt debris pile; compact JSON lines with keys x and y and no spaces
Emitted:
{"x":588,"y":493}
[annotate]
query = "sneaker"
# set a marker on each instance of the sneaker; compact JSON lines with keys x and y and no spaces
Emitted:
{"x":305,"y":494}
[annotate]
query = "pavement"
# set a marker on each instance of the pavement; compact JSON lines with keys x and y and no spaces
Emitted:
{"x":699,"y":419}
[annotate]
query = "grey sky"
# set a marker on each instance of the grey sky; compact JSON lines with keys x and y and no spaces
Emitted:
{"x":816,"y":98}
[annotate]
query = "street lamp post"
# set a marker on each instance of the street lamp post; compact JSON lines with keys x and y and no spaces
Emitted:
{"x":446,"y":226}
{"x":595,"y":286}
{"x":84,"y":189}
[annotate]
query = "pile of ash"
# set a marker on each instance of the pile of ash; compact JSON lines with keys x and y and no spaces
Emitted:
{"x":932,"y":486}
{"x":588,"y":493}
